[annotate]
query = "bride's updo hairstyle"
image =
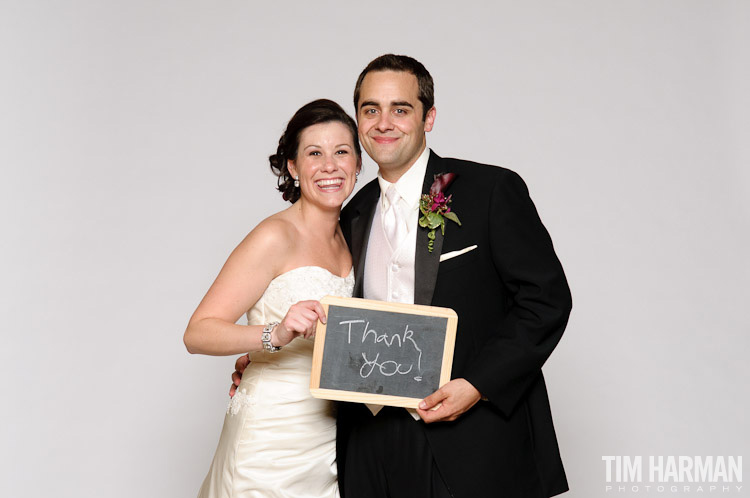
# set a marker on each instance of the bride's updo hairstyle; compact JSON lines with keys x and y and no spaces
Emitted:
{"x":316,"y":112}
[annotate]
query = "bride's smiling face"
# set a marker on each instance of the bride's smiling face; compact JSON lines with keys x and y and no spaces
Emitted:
{"x":326,"y":164}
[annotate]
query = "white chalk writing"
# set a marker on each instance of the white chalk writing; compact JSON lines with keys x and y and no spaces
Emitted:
{"x":399,"y":341}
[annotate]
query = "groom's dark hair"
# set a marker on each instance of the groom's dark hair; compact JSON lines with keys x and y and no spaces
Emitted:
{"x":406,"y":64}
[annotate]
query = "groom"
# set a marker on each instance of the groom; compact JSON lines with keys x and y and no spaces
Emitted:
{"x":488,"y":432}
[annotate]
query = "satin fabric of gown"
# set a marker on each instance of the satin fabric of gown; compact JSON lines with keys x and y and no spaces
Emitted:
{"x":277,"y":440}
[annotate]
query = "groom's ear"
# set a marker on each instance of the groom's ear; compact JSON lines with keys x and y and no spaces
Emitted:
{"x":429,"y":119}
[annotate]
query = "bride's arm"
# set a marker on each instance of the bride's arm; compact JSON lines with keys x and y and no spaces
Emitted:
{"x":243,"y":279}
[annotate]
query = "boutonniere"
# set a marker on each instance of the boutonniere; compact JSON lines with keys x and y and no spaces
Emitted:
{"x":435,"y":207}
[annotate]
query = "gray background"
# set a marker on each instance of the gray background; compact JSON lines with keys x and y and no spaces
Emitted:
{"x":134,"y":142}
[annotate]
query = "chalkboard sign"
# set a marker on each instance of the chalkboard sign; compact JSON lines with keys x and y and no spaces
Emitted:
{"x":384,"y":353}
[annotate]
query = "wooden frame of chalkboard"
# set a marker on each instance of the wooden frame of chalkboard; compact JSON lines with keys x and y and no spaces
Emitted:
{"x":382,"y":353}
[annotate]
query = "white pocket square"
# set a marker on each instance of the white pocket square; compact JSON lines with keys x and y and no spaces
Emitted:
{"x":453,"y":254}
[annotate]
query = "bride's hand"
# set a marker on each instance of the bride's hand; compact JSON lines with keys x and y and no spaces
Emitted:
{"x":300,"y":320}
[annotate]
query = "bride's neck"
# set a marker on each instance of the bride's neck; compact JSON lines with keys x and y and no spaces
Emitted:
{"x":317,"y":220}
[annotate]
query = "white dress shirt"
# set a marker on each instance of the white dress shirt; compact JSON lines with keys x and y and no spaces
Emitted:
{"x":389,"y":272}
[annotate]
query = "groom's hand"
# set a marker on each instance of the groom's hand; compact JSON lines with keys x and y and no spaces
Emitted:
{"x":239,"y":366}
{"x":449,"y":402}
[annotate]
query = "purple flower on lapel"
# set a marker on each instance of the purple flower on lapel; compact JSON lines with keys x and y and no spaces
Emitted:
{"x":442,"y":181}
{"x":435,"y":207}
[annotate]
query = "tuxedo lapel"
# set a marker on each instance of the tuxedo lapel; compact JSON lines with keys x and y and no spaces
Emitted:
{"x":361,"y":224}
{"x":425,"y":262}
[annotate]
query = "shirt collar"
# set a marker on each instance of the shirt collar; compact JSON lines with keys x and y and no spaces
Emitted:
{"x":409,"y":186}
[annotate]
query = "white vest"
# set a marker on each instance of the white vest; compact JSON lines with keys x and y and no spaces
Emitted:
{"x":389,"y":272}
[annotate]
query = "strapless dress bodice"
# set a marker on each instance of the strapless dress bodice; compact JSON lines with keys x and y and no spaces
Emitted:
{"x":300,"y":284}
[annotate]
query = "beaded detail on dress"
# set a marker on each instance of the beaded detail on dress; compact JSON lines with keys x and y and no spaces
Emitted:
{"x":239,"y":400}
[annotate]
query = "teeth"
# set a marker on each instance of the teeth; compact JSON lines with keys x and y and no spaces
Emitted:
{"x":327,"y":183}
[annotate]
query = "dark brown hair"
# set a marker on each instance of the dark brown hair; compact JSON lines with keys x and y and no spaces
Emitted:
{"x":316,"y":112}
{"x":401,"y":63}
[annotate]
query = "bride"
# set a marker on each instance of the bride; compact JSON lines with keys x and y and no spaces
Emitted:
{"x":277,"y":440}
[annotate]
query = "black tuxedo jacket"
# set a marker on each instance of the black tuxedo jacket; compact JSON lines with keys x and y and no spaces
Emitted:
{"x":513,"y":303}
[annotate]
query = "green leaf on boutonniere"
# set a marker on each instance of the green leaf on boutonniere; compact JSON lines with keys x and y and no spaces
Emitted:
{"x":451,"y":216}
{"x":434,"y":220}
{"x":423,"y":221}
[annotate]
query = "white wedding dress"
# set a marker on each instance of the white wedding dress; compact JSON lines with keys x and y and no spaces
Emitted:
{"x":277,"y":440}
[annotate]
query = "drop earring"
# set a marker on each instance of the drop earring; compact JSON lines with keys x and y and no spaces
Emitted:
{"x":296,"y":182}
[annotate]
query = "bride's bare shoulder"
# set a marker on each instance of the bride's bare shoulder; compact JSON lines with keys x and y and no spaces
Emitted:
{"x":273,"y":237}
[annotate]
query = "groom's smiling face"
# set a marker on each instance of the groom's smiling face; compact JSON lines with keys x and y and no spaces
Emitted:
{"x":389,"y":118}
